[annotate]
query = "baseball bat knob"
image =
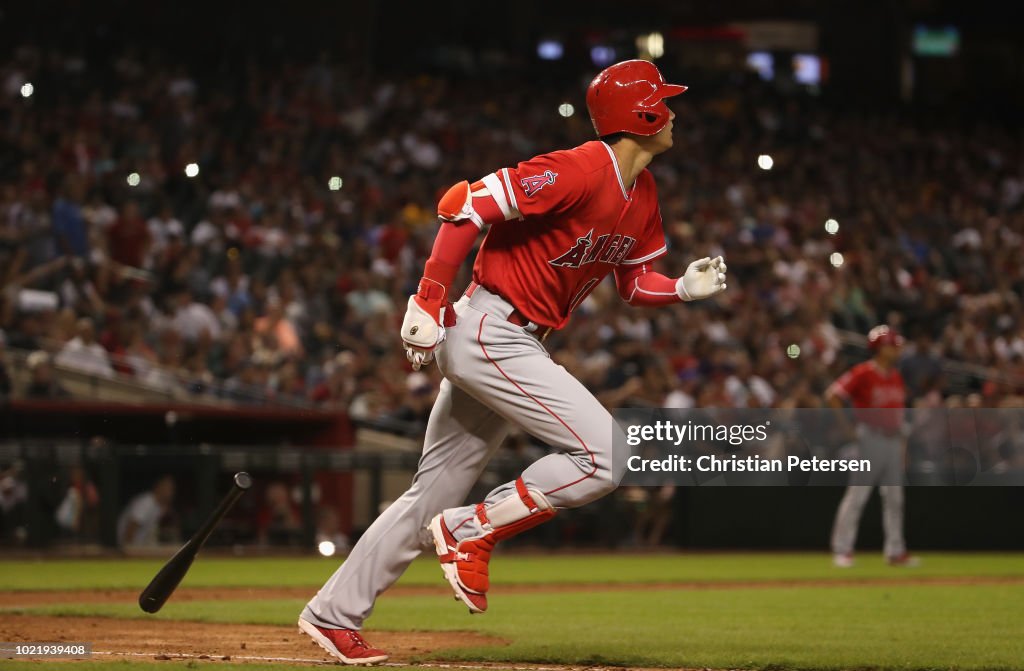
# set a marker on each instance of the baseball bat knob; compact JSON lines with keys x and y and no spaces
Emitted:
{"x":243,"y":480}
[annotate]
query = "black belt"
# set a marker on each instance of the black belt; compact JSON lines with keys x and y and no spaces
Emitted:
{"x":518,"y":318}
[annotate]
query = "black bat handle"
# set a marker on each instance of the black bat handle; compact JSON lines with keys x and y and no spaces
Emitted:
{"x":243,"y":481}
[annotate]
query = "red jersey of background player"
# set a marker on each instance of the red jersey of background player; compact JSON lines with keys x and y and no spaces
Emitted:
{"x":868,"y":386}
{"x":569,"y":222}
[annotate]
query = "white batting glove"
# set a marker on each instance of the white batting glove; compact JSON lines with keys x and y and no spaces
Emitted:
{"x":703,"y":278}
{"x":421,"y":331}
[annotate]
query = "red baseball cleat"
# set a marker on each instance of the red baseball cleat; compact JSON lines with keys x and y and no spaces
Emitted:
{"x":904,"y":560}
{"x":346,"y":645}
{"x":465,"y":564}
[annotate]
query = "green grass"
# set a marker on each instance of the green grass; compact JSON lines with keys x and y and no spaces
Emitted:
{"x":892,"y":627}
{"x":510,"y":569}
{"x":962,"y":627}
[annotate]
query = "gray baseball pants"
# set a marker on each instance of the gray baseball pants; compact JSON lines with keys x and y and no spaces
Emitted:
{"x":496,"y":375}
{"x":886,"y":455}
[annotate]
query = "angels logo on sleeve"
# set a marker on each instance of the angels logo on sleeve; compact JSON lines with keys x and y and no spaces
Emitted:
{"x":535,"y":183}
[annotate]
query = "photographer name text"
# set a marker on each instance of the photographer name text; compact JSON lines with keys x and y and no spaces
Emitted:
{"x":709,"y":463}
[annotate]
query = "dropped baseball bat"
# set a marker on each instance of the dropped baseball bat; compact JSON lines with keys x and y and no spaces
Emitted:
{"x":166,"y":581}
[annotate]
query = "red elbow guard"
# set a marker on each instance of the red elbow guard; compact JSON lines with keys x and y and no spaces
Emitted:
{"x":456,"y":204}
{"x":463,"y":202}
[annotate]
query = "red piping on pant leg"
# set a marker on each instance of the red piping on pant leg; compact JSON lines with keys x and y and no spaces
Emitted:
{"x":546,"y":409}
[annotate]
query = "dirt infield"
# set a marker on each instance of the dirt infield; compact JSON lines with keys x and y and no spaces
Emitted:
{"x":162,"y":639}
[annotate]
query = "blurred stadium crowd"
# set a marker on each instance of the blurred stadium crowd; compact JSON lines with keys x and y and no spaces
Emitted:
{"x":253,"y":234}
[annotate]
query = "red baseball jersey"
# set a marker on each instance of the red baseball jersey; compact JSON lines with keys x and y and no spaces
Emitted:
{"x":867,"y":387}
{"x":569,"y":221}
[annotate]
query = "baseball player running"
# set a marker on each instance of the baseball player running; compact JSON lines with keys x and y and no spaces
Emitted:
{"x":874,"y":385}
{"x":558,"y":224}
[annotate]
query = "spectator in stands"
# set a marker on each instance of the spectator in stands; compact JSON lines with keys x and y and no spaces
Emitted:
{"x":651,"y":509}
{"x":193,"y":319}
{"x":286,"y":383}
{"x":275,"y":323}
{"x":70,"y":229}
{"x":13,"y":499}
{"x":418,"y":400}
{"x":100,"y":215}
{"x":165,"y":233}
{"x":83,"y":353}
{"x":278,"y":520}
{"x":43,"y":382}
{"x":233,"y":285}
{"x":366,"y":299}
{"x":81,"y":290}
{"x":145,"y":520}
{"x":77,"y":514}
{"x":27,"y":225}
{"x":745,"y":388}
{"x":921,"y":368}
{"x":338,"y":386}
{"x":370,"y":400}
{"x":262,"y":222}
{"x":5,"y":378}
{"x":249,"y":384}
{"x":168,"y":375}
{"x":129,"y":239}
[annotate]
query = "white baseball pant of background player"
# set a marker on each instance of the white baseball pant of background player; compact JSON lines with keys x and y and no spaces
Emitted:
{"x":886,"y":455}
{"x":497,"y":374}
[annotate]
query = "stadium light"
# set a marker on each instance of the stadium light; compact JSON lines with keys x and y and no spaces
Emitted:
{"x":763,"y":63}
{"x":550,"y":50}
{"x":807,"y":69}
{"x":651,"y":45}
{"x":602,"y":55}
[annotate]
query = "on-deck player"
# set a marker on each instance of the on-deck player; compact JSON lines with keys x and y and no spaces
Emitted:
{"x":876,"y":388}
{"x":559,"y":223}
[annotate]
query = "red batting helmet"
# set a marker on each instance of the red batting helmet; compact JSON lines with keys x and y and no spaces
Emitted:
{"x":629,"y":97}
{"x":883,"y":335}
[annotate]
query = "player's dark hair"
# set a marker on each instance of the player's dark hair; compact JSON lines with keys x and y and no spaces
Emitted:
{"x":612,"y":138}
